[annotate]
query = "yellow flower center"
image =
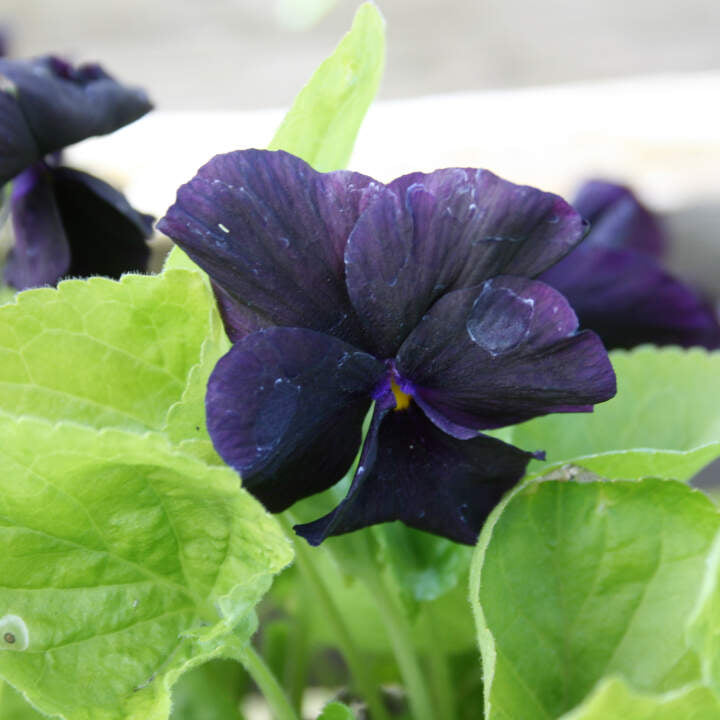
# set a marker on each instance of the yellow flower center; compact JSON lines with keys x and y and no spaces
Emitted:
{"x":402,"y":400}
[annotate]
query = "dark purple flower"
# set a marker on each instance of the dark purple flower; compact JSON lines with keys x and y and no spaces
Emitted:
{"x":338,"y":290}
{"x":65,"y":222}
{"x":616,"y":283}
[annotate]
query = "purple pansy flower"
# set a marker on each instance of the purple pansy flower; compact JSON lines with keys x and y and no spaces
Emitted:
{"x":65,"y":222}
{"x":616,"y":283}
{"x":338,"y":290}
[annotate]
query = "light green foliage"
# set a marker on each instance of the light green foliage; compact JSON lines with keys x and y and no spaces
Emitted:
{"x":130,"y":553}
{"x":336,"y":711}
{"x":576,"y":581}
{"x":614,"y":700}
{"x":664,"y":421}
{"x":103,"y":353}
{"x":14,"y":707}
{"x":127,"y":562}
{"x":185,"y":423}
{"x":325,"y":118}
{"x":704,"y":623}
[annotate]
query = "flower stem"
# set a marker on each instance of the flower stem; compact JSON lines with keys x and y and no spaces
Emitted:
{"x":359,"y":671}
{"x":398,"y":628}
{"x":262,"y":675}
{"x":440,"y":675}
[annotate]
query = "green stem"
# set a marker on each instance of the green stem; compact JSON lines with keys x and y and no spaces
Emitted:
{"x":296,"y":665}
{"x":358,"y":668}
{"x":398,"y":629}
{"x":440,"y":675}
{"x":262,"y":675}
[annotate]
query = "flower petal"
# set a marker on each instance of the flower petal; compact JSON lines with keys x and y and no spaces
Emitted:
{"x":450,"y":229}
{"x":617,"y":218}
{"x":18,"y":149}
{"x":629,"y":299}
{"x":425,"y":478}
{"x":41,"y":253}
{"x":107,"y":235}
{"x":271,"y":232}
{"x":285,"y":408}
{"x":500,"y":353}
{"x":62,"y":105}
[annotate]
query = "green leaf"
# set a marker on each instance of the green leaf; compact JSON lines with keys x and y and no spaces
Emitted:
{"x":424,"y":566}
{"x":572,"y":582}
{"x":14,"y":707}
{"x":336,"y":711}
{"x":325,"y":118}
{"x":664,"y":421}
{"x":125,"y":563}
{"x":614,"y":700}
{"x":104,"y":353}
{"x":704,"y":625}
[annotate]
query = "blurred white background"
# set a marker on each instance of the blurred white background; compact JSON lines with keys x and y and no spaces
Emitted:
{"x":243,"y":54}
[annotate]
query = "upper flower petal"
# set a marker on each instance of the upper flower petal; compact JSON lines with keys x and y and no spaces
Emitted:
{"x":59,"y":105}
{"x":413,"y":472}
{"x":41,"y":253}
{"x":271,"y":232}
{"x":628,"y":299}
{"x":500,"y":353}
{"x":449,"y":229}
{"x":617,"y":218}
{"x":285,"y":408}
{"x":107,"y":236}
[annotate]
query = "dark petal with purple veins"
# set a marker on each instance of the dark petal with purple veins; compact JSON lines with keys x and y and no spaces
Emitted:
{"x":618,"y":219}
{"x":271,"y":232}
{"x":629,"y":299}
{"x":107,"y":236}
{"x":238,"y":319}
{"x":500,"y":353}
{"x":62,"y":105}
{"x":426,"y":479}
{"x":443,"y":231}
{"x":285,"y":408}
{"x":41,"y":254}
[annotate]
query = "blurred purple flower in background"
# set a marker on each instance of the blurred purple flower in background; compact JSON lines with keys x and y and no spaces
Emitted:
{"x":338,"y":290}
{"x":65,"y":222}
{"x":616,"y":283}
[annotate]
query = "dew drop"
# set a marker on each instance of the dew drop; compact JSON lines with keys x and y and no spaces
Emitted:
{"x":14,"y":633}
{"x":500,"y":319}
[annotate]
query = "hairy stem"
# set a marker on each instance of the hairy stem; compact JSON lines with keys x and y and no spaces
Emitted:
{"x":280,"y":706}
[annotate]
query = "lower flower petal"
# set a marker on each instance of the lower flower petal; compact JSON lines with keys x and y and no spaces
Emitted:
{"x":107,"y":236}
{"x":500,"y":353}
{"x":285,"y":408}
{"x":424,"y":478}
{"x":41,"y":253}
{"x":629,"y":299}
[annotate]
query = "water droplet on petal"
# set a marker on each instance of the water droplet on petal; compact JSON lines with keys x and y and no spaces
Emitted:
{"x":500,"y":319}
